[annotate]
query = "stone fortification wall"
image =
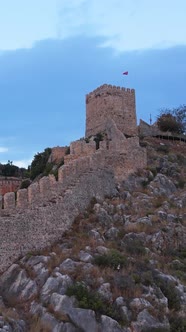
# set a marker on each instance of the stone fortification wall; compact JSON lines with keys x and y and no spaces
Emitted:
{"x":144,"y":129}
{"x":57,"y":154}
{"x":80,"y":148}
{"x":39,"y":215}
{"x":8,"y":184}
{"x":113,"y":102}
{"x":45,"y":221}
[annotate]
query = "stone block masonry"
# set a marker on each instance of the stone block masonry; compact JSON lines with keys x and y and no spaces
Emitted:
{"x":45,"y":220}
{"x":112,"y":102}
{"x":8,"y":184}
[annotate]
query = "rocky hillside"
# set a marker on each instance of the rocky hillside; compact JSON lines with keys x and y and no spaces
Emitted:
{"x":121,"y":267}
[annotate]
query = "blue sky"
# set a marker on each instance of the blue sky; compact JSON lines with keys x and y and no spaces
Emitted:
{"x":54,"y":52}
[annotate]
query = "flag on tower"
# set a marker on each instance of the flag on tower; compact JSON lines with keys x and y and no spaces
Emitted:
{"x":125,"y":73}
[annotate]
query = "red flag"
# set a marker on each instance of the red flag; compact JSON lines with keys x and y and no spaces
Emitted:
{"x":125,"y":73}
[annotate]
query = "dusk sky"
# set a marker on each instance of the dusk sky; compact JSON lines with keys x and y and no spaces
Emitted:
{"x":54,"y":52}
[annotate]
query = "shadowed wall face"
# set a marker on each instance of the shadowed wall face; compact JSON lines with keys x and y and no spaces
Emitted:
{"x":111,"y":102}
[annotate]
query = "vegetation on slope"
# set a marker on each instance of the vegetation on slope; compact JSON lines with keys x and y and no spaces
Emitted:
{"x":124,"y":257}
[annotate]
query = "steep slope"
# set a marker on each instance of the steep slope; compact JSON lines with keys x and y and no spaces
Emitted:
{"x":122,"y":265}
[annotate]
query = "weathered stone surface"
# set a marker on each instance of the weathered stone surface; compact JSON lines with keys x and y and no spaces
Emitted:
{"x":57,"y":284}
{"x":61,"y":304}
{"x":110,"y":325}
{"x":112,"y":233}
{"x":138,"y":304}
{"x":162,"y":185}
{"x":48,"y":321}
{"x":83,"y":318}
{"x":16,"y":286}
{"x":85,"y":257}
{"x":68,"y":265}
{"x":109,"y":102}
{"x":65,"y":327}
{"x":105,"y":291}
{"x":147,"y":323}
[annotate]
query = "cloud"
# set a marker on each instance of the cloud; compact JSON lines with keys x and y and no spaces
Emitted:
{"x":24,"y":22}
{"x":44,"y":88}
{"x":126,"y":25}
{"x":22,"y":163}
{"x":3,"y":149}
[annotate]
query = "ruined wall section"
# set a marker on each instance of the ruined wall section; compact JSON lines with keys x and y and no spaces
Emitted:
{"x":112,"y":102}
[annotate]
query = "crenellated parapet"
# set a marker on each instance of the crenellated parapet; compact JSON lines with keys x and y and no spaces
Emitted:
{"x":108,"y":89}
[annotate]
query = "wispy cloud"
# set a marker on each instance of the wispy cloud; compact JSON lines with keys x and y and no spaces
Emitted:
{"x":126,"y":25}
{"x":133,"y":25}
{"x":22,"y":163}
{"x":3,"y":149}
{"x":24,"y":22}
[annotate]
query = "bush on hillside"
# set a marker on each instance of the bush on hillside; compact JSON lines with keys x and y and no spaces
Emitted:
{"x":39,"y":163}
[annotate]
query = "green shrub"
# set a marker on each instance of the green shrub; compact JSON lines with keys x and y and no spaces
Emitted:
{"x":143,"y":144}
{"x":177,"y":324}
{"x":135,"y":247}
{"x":169,"y":290}
{"x":113,"y":259}
{"x":25,"y":184}
{"x":180,"y":183}
{"x":145,"y":183}
{"x":86,"y":299}
{"x":92,"y":300}
{"x":181,"y":253}
{"x":163,"y":148}
{"x":181,"y":159}
{"x":147,"y":278}
{"x":98,"y":138}
{"x":48,"y":169}
{"x":153,"y":170}
{"x":67,"y":151}
{"x":39,"y":163}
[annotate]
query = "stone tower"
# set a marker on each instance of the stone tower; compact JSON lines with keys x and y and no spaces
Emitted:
{"x":113,"y":102}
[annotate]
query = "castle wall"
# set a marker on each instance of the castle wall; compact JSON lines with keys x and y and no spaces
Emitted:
{"x":116,"y":103}
{"x":145,"y":130}
{"x":79,"y":149}
{"x":57,"y":154}
{"x":9,"y":184}
{"x":39,"y":215}
{"x":40,"y":225}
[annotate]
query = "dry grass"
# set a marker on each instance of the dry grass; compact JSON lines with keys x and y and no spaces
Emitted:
{"x":138,"y":228}
{"x":61,"y":316}
{"x":9,"y":313}
{"x":38,"y":326}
